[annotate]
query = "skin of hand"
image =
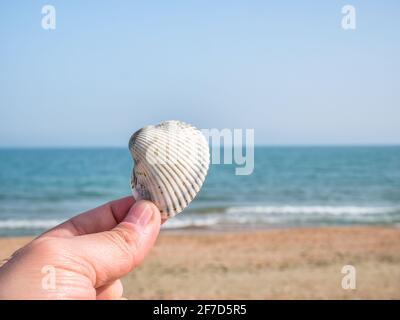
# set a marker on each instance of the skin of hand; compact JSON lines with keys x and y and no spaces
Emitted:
{"x":84,"y":257}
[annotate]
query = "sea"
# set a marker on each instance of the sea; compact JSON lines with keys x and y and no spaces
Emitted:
{"x":299,"y":186}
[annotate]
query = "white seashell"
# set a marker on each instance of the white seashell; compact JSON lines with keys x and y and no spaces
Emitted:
{"x":171,"y":161}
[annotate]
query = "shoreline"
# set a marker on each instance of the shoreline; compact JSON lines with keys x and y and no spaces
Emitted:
{"x":237,"y":229}
{"x":292,"y":263}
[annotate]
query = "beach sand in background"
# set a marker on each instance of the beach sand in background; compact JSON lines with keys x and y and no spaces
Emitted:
{"x":271,"y":264}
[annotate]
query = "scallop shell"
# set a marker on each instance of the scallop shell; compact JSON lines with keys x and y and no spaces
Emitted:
{"x":171,"y":161}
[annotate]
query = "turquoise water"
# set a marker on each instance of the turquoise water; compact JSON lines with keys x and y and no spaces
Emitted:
{"x":290,"y":186}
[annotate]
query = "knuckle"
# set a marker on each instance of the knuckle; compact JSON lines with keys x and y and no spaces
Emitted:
{"x":48,"y":245}
{"x":125,"y":240}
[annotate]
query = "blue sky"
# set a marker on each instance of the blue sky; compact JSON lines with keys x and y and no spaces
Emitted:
{"x":285,"y":68}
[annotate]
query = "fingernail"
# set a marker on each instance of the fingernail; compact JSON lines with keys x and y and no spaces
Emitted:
{"x":140,"y":213}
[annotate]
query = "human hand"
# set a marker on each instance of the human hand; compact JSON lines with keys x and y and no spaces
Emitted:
{"x":84,"y":257}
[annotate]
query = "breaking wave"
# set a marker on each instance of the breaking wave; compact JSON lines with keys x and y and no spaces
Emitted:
{"x":252,"y":216}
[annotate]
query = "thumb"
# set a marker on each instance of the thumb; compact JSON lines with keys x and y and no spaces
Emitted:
{"x":112,"y":254}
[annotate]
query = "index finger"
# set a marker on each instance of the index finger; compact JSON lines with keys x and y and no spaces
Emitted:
{"x":99,"y":219}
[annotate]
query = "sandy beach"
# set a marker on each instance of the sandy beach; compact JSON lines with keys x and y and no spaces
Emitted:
{"x":271,"y":264}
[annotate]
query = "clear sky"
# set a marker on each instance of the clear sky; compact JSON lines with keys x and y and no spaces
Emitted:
{"x":285,"y":68}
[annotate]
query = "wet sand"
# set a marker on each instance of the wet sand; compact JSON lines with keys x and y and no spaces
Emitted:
{"x":271,"y":264}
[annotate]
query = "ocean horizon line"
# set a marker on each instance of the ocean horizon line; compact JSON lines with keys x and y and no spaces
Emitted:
{"x":327,"y":145}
